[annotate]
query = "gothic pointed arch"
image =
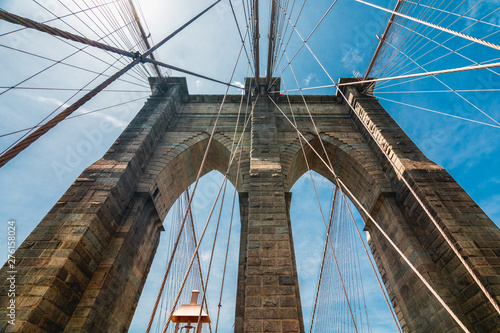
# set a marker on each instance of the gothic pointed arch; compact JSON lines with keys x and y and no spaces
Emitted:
{"x":174,"y":169}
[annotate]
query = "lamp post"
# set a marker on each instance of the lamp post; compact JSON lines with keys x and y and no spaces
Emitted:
{"x":190,"y":313}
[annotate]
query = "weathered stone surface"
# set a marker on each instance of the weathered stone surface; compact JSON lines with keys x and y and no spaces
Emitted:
{"x":77,"y":271}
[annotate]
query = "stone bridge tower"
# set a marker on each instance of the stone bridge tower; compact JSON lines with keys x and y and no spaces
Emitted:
{"x":83,"y":267}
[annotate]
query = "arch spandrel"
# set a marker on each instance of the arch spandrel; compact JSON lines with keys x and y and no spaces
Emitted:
{"x":357,"y":167}
{"x":173,"y":170}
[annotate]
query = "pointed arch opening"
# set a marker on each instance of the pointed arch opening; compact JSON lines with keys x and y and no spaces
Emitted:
{"x":364,"y":174}
{"x":176,"y":167}
{"x":311,"y":217}
{"x":204,"y":199}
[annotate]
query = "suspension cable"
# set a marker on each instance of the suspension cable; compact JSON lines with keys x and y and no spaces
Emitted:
{"x":61,"y":17}
{"x":447,"y":48}
{"x":454,"y":14}
{"x":392,"y":68}
{"x":219,"y":306}
{"x":381,"y":40}
{"x":194,"y":189}
{"x":371,"y":263}
{"x":304,"y":42}
{"x":28,"y":23}
{"x":447,"y":86}
{"x":438,"y":112}
{"x":323,"y":259}
{"x":14,"y":151}
{"x":453,"y":32}
{"x":445,"y":41}
{"x":382,"y":86}
{"x":75,"y":116}
{"x":241,"y":36}
{"x":351,"y":195}
{"x":426,"y":210}
{"x":317,"y":197}
{"x":203,"y":284}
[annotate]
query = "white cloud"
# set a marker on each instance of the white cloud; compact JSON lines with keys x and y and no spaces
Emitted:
{"x":239,"y":84}
{"x":106,"y":117}
{"x":208,"y":47}
{"x":309,"y":78}
{"x":53,"y":101}
{"x":352,"y":59}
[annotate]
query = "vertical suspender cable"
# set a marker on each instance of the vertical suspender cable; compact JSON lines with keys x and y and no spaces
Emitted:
{"x":143,"y":35}
{"x":256,"y":37}
{"x":381,"y":40}
{"x":435,"y":26}
{"x":323,"y":260}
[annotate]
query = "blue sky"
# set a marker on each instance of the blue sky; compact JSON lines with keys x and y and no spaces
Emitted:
{"x":344,"y":43}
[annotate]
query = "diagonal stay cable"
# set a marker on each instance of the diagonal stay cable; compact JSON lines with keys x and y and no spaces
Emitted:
{"x":454,"y":14}
{"x":214,"y":127}
{"x":447,"y":86}
{"x":14,"y":151}
{"x":75,"y":89}
{"x":304,"y":42}
{"x":450,"y":31}
{"x":351,"y":195}
{"x":61,"y":62}
{"x":342,"y":279}
{"x":421,"y":203}
{"x":437,"y":112}
{"x":323,"y":260}
{"x":61,"y":17}
{"x":54,"y":111}
{"x":16,"y":19}
{"x":175,"y":68}
{"x":47,"y":68}
{"x":77,"y":115}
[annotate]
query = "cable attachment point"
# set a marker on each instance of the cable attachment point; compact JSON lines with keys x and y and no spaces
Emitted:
{"x":139,"y":56}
